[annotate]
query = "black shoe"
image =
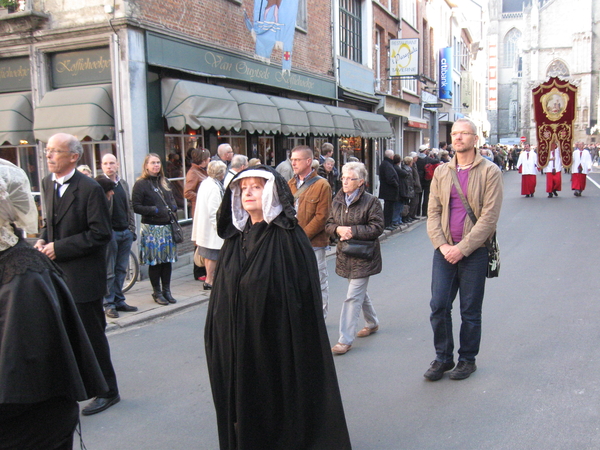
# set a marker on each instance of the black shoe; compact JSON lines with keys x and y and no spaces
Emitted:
{"x":550,"y":195}
{"x":532,"y":195}
{"x":99,"y":404}
{"x":527,"y":195}
{"x":555,"y":193}
{"x":126,"y":308}
{"x":111,"y":313}
{"x":158,"y":298}
{"x":390,"y":228}
{"x":207,"y":287}
{"x":437,"y":369}
{"x":167,"y":295}
{"x":463,"y":370}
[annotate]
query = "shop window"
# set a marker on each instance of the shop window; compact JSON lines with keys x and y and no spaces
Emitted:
{"x":294,"y":141}
{"x":178,"y":162}
{"x":265,"y":151}
{"x":93,"y":151}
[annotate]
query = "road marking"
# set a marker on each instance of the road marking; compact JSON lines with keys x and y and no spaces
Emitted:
{"x":595,"y":184}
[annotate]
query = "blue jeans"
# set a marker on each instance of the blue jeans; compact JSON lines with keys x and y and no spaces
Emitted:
{"x":467,"y":276}
{"x":117,"y":259}
{"x":397,"y":217}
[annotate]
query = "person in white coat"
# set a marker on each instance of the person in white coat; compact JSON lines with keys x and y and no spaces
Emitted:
{"x":582,"y":165}
{"x":204,"y":229}
{"x":527,"y":165}
{"x":554,"y":173}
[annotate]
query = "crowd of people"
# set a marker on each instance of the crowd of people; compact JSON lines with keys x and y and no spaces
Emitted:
{"x":265,"y":333}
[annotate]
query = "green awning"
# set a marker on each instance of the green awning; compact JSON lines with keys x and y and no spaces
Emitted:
{"x":342,"y":120}
{"x":258,"y":113}
{"x":80,"y":111}
{"x":16,"y":118}
{"x":187,"y":103}
{"x":321,"y":121}
{"x":371,"y":125}
{"x":292,"y":116}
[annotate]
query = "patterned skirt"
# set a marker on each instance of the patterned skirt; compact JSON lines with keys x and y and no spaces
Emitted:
{"x":156,"y":245}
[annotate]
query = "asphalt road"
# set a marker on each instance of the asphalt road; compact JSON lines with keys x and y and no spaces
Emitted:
{"x":536,"y":388}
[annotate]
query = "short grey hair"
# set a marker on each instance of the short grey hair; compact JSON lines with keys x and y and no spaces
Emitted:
{"x":358,"y":168}
{"x":239,"y":161}
{"x":216,"y":169}
{"x":74,"y":145}
{"x":329,"y":160}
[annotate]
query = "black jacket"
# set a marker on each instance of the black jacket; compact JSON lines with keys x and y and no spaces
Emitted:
{"x":147,"y":201}
{"x":388,"y":181}
{"x":79,"y":226}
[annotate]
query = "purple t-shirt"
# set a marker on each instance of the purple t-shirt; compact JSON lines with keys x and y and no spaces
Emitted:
{"x":458,"y":213}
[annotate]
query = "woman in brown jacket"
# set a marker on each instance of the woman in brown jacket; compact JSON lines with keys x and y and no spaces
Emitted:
{"x":356,"y":214}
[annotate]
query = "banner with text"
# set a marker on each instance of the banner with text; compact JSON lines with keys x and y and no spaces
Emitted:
{"x":446,"y":73}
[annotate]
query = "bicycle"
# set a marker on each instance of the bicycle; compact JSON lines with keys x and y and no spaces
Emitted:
{"x":133,"y":271}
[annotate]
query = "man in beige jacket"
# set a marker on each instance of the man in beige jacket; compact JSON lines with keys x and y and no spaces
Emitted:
{"x":312,"y":200}
{"x":461,"y":258}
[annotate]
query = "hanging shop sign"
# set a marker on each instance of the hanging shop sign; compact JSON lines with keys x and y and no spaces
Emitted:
{"x":404,"y":57}
{"x":446,"y":73}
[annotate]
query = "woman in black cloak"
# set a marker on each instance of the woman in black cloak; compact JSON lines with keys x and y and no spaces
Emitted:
{"x":271,"y":370}
{"x":46,"y":360}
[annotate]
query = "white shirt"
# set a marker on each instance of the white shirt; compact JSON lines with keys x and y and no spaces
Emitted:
{"x":584,"y":158}
{"x":528,"y":162}
{"x":61,"y":181}
{"x":556,"y":163}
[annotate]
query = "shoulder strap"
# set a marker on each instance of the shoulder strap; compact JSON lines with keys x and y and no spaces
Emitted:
{"x":466,"y":204}
{"x":462,"y":197}
{"x":305,"y":186}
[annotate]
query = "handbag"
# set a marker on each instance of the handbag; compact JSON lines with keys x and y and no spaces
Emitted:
{"x":358,"y":249}
{"x":493,"y":269}
{"x":176,"y":230}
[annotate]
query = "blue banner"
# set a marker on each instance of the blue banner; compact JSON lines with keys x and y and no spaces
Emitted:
{"x":446,"y":73}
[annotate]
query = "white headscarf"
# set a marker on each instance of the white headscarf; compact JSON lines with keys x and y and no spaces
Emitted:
{"x":16,"y":204}
{"x":270,"y":200}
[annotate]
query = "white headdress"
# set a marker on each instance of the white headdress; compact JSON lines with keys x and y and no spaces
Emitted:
{"x":270,"y":200}
{"x":16,"y":204}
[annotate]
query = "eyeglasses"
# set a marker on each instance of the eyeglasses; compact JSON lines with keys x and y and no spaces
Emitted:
{"x":52,"y":151}
{"x":348,"y":180}
{"x":461,"y":133}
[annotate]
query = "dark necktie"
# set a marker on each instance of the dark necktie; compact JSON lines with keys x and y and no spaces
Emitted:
{"x":58,"y":186}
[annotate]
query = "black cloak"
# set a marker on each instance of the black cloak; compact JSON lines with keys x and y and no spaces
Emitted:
{"x":44,"y":349}
{"x":269,"y":359}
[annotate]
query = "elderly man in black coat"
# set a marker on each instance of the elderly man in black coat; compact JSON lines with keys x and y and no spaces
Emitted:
{"x":389,"y":187}
{"x":75,"y":237}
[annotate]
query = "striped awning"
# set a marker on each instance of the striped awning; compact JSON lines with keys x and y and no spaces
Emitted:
{"x":187,"y":103}
{"x":292,"y":116}
{"x":371,"y":125}
{"x":342,"y":120}
{"x":16,"y":118}
{"x":80,"y":111}
{"x":258,"y":113}
{"x":321,"y":120}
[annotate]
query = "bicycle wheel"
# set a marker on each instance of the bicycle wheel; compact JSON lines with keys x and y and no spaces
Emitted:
{"x":133,"y":271}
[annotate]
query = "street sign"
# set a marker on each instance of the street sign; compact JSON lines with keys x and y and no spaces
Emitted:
{"x":433,"y":105}
{"x":523,"y":138}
